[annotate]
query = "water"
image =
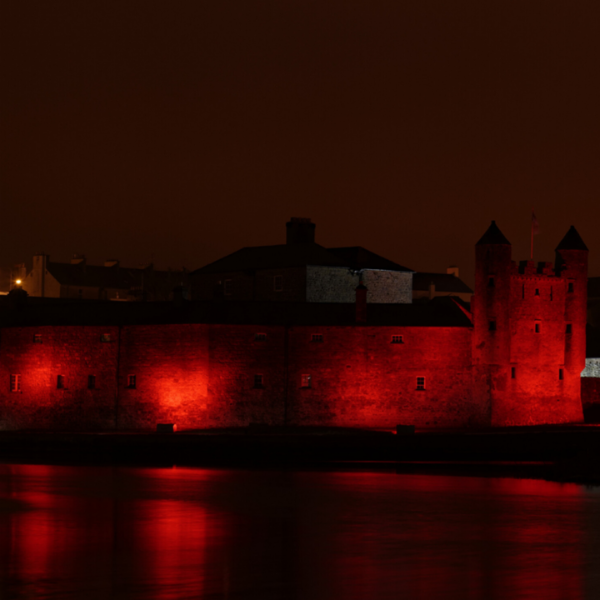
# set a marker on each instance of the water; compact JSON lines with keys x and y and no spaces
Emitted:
{"x":101,"y":532}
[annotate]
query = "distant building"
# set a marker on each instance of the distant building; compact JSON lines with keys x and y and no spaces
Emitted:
{"x":302,"y":271}
{"x":432,"y":285}
{"x":79,"y":280}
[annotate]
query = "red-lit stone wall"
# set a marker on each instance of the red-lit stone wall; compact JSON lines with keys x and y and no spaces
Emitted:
{"x":358,"y":378}
{"x":236,"y":357}
{"x":207,"y":376}
{"x":170,"y":365}
{"x":73,"y":352}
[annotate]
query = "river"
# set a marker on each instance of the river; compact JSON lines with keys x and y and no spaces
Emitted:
{"x":170,"y":533}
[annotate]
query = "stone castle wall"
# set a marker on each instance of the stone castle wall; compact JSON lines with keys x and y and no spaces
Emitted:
{"x":205,"y":376}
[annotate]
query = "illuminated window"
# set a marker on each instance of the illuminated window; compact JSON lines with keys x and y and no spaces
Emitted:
{"x":492,"y":325}
{"x":397,"y":339}
{"x":278,"y":283}
{"x":37,"y":338}
{"x":305,"y":381}
{"x":228,"y":287}
{"x":569,"y":328}
{"x":15,"y":383}
{"x":420,"y":383}
{"x":106,"y":337}
{"x":60,"y":382}
{"x":537,"y":327}
{"x":131,"y":382}
{"x":260,"y":337}
{"x":571,"y":288}
{"x":259,"y":381}
{"x":561,"y":374}
{"x":317,"y":337}
{"x":513,"y":372}
{"x":91,"y":382}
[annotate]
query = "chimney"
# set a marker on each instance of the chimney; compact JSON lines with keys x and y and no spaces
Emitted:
{"x":78,"y":259}
{"x":452,"y":271}
{"x":300,"y":231}
{"x":361,"y":303}
{"x":111,"y":262}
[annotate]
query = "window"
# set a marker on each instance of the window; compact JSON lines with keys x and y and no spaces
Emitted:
{"x":491,"y":281}
{"x":260,"y":337}
{"x":537,"y":327}
{"x":397,"y":339}
{"x":571,"y":288}
{"x":60,"y":382}
{"x":317,"y":338}
{"x":513,"y":372}
{"x":259,"y":382}
{"x":420,"y":383}
{"x":537,"y":291}
{"x":305,"y":381}
{"x":131,"y":382}
{"x":228,"y":287}
{"x":37,"y":338}
{"x":278,"y":283}
{"x":91,"y":382}
{"x":569,"y":328}
{"x":561,"y":374}
{"x":492,"y":326}
{"x":15,"y":383}
{"x":105,"y":338}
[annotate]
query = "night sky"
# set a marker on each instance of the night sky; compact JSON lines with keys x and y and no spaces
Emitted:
{"x":180,"y":131}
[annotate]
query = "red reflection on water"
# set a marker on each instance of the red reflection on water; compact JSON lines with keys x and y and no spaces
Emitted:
{"x":506,"y":548}
{"x":172,"y":533}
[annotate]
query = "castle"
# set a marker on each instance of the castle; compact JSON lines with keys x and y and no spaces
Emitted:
{"x":512,"y":357}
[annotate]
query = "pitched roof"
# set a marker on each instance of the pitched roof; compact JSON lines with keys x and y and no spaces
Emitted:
{"x":493,"y":236}
{"x":443,"y":283}
{"x":299,"y":255}
{"x":37,"y":312}
{"x":572,"y":241}
{"x":111,"y":277}
{"x":357,"y":258}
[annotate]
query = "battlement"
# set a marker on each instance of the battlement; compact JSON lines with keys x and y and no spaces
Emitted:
{"x":528,"y":268}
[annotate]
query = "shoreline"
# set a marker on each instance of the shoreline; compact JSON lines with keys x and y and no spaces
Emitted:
{"x":564,"y":454}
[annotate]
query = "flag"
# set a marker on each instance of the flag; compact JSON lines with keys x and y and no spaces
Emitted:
{"x":535,"y":224}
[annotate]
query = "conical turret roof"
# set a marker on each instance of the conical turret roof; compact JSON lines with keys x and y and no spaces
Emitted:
{"x":493,"y":236}
{"x":572,"y":241}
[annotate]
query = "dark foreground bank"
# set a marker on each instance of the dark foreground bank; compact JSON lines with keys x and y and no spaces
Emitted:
{"x":558,"y":453}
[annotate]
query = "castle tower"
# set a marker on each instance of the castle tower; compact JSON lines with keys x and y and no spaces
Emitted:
{"x":529,"y":333}
{"x":571,"y":266}
{"x":490,"y":308}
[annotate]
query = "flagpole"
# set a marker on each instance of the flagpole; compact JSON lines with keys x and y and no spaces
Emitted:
{"x":532,"y":220}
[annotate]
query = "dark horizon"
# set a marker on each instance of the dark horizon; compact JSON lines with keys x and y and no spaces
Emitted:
{"x":181,"y":133}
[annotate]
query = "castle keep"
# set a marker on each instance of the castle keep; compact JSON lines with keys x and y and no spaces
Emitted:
{"x":512,"y":357}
